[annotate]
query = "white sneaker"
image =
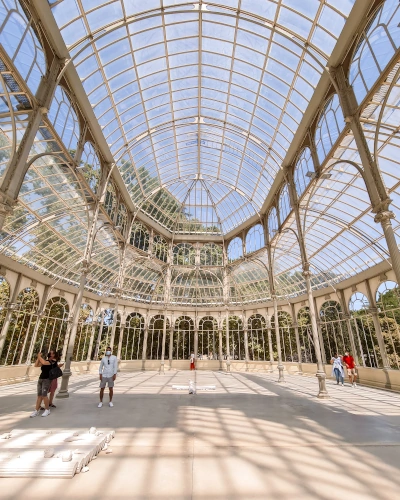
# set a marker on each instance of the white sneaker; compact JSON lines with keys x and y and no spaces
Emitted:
{"x":111,"y":404}
{"x":355,"y":385}
{"x":100,"y":405}
{"x":46,"y":413}
{"x":34,"y":414}
{"x":342,"y":384}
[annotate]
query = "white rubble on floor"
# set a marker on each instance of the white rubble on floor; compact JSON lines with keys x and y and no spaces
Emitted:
{"x":50,"y":453}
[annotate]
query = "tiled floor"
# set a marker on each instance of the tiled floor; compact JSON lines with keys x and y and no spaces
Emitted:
{"x":251,"y":438}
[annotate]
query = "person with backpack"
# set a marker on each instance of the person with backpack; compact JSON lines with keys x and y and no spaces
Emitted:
{"x":44,"y":382}
{"x":54,"y":384}
{"x":337,"y":369}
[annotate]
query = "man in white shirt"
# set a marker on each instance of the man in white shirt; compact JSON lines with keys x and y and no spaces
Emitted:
{"x":108,"y":373}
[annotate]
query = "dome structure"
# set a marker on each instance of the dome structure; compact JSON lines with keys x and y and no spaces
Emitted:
{"x":200,"y":156}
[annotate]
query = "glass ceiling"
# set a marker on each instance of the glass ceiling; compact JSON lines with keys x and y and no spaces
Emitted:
{"x":199,"y":102}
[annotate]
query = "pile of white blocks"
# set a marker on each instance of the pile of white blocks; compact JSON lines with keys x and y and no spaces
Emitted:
{"x":50,"y":453}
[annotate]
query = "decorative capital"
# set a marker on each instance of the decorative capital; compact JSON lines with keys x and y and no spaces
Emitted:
{"x":85,"y":266}
{"x":306,"y":273}
{"x":7,"y":204}
{"x":384,"y":216}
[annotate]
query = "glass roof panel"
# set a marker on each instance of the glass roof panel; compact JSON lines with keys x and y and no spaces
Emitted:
{"x":196,"y":98}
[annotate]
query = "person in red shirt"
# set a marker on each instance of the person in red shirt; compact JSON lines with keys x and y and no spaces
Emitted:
{"x":351,"y":368}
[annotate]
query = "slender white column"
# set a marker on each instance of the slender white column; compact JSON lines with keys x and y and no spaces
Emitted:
{"x":220,"y":349}
{"x":196,"y":342}
{"x":228,"y":354}
{"x":298,"y":346}
{"x":121,"y":336}
{"x":164,"y":337}
{"x":171,"y":343}
{"x":144,"y":351}
{"x":271,"y":353}
{"x":246,"y":345}
{"x":281,"y":368}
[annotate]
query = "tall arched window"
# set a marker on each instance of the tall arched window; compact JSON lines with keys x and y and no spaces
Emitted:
{"x":305,"y":336}
{"x":208,"y":338}
{"x":330,"y":125}
{"x":284,"y":204}
{"x":255,"y":238}
{"x":22,"y":326}
{"x":53,"y":326}
{"x":140,"y":237}
{"x":160,"y":248}
{"x":132,"y":343}
{"x":258,"y":338}
{"x":84,"y":333}
{"x":110,"y":201}
{"x":303,"y":171}
{"x":364,"y":331}
{"x":91,"y":167}
{"x":388,"y":302}
{"x":334,"y":329}
{"x":184,"y":254}
{"x":122,"y":217}
{"x":272,"y":222}
{"x":63,"y":117}
{"x":378,"y":43}
{"x":19,"y":38}
{"x":287,"y":336}
{"x":211,"y":255}
{"x":235,"y":249}
{"x":236,"y":338}
{"x":183,"y":341}
{"x":4,"y":299}
{"x":155,"y":336}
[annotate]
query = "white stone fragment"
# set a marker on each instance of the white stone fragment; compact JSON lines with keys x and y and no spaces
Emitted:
{"x":92,"y":430}
{"x":109,"y":450}
{"x":48,"y":452}
{"x":85,"y":469}
{"x":6,"y":435}
{"x":66,"y":456}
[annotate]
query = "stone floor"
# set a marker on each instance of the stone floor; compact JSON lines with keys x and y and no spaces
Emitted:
{"x":252,"y":438}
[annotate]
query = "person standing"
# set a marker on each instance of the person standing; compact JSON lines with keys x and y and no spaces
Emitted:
{"x":44,"y":382}
{"x":351,"y":368}
{"x":53,"y":384}
{"x":337,"y":369}
{"x":192,"y":366}
{"x":108,"y":373}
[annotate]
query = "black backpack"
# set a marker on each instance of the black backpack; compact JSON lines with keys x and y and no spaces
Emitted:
{"x":55,"y":372}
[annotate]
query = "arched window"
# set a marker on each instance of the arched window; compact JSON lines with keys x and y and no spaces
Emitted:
{"x":91,"y":167}
{"x":211,"y":255}
{"x":258,"y":338}
{"x":334,"y":329}
{"x":272,"y":222}
{"x":378,"y":43}
{"x":284,"y":204}
{"x":86,"y":326}
{"x":236,"y":339}
{"x":208,"y":338}
{"x":63,"y":117}
{"x":330,"y":125}
{"x":388,"y":302}
{"x":22,"y":326}
{"x":183,"y":341}
{"x":303,"y":171}
{"x":306,"y":336}
{"x":140,"y":237}
{"x":122,"y":218}
{"x":20,"y":42}
{"x":155,"y":336}
{"x":198,"y":286}
{"x":235,"y":249}
{"x":53,"y":326}
{"x":4,"y":299}
{"x":255,"y":238}
{"x":287,"y":336}
{"x":105,"y":332}
{"x":132,"y":342}
{"x":184,"y":254}
{"x":110,"y":201}
{"x":364,"y":331}
{"x":160,"y":248}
